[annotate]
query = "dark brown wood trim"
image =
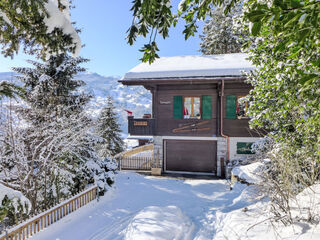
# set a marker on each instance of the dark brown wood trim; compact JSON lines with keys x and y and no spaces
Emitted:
{"x":181,"y":80}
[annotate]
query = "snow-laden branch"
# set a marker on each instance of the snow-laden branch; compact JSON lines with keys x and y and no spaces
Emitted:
{"x":61,"y":19}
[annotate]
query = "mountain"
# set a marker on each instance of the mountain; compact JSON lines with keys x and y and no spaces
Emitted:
{"x":136,"y":99}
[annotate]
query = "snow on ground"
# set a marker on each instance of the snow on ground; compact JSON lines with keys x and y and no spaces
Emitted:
{"x":150,"y":207}
{"x":250,"y":173}
{"x":131,"y":143}
{"x":148,"y":153}
{"x":168,"y":223}
{"x":143,"y":207}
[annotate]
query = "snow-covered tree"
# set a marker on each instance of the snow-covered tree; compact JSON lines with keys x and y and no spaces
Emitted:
{"x":50,"y":86}
{"x":38,"y":27}
{"x":50,"y":154}
{"x":41,"y":27}
{"x":109,"y":130}
{"x":8,"y":89}
{"x":219,"y":35}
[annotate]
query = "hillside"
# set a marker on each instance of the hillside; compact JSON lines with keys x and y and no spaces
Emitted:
{"x":135,"y":99}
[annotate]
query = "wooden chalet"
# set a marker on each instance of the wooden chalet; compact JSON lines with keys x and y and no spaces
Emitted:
{"x":197,"y":121}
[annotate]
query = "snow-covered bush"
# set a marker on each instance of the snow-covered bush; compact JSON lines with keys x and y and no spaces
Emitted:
{"x":103,"y":173}
{"x":13,"y":205}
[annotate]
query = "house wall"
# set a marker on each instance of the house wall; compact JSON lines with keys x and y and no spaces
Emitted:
{"x":165,"y":123}
{"x":163,"y":110}
{"x":237,"y":127}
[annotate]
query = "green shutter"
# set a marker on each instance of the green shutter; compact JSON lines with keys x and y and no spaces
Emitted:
{"x":244,"y":148}
{"x":206,"y":107}
{"x":231,"y":107}
{"x":177,"y":107}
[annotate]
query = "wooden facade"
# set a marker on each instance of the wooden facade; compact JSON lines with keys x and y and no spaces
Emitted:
{"x":163,"y":122}
{"x":198,"y":120}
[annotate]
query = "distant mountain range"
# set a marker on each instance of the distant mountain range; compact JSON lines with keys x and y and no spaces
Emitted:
{"x":136,"y":99}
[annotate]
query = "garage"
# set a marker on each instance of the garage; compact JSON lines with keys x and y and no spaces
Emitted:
{"x":190,"y":156}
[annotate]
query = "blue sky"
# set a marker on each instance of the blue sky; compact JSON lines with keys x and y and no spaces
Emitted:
{"x":104,"y":24}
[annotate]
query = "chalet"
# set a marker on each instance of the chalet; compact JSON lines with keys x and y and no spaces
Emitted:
{"x":197,"y":121}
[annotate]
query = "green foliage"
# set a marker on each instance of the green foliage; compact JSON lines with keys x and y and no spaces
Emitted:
{"x":285,"y":99}
{"x":155,"y":17}
{"x":22,"y":25}
{"x":10,"y":90}
{"x":15,"y":214}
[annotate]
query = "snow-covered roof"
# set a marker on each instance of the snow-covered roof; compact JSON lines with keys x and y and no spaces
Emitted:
{"x":222,"y":65}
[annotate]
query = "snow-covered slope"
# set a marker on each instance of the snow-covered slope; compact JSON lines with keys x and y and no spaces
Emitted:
{"x":135,"y":99}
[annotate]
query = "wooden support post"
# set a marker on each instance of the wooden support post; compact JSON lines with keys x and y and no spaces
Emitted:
{"x":223,"y":175}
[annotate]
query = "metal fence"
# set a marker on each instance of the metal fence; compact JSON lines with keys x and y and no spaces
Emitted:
{"x":135,"y":163}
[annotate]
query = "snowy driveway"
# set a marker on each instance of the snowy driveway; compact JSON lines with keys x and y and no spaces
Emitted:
{"x":142,"y":207}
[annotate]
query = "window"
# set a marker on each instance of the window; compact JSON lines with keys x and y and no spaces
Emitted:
{"x":192,"y":107}
{"x":242,"y":107}
{"x":244,"y":148}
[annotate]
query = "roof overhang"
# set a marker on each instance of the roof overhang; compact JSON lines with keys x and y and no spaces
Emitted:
{"x":185,"y":80}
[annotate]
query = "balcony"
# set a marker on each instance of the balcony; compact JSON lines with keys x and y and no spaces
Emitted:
{"x":141,"y":126}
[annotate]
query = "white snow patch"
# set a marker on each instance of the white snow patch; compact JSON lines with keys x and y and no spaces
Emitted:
{"x":250,"y":173}
{"x":159,"y":223}
{"x":58,"y":19}
{"x":148,"y":153}
{"x":141,"y":207}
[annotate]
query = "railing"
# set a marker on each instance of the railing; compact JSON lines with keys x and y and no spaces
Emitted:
{"x":141,"y":126}
{"x":135,"y":163}
{"x":36,"y":224}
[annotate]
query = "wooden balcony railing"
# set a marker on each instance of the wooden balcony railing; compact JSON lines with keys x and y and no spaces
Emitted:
{"x":141,"y":126}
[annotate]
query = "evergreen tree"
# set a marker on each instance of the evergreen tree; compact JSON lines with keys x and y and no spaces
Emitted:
{"x":219,"y":34}
{"x":51,"y":87}
{"x":55,"y":150}
{"x":8,"y":89}
{"x":109,"y":130}
{"x":41,"y":27}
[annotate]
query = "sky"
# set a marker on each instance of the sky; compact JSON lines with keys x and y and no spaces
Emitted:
{"x":104,"y":24}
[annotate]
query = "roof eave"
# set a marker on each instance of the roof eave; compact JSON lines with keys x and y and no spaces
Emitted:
{"x":184,"y":80}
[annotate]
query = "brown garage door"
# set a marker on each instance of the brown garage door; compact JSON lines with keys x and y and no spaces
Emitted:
{"x":191,"y":156}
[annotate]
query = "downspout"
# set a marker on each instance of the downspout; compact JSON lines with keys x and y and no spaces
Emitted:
{"x":221,"y":122}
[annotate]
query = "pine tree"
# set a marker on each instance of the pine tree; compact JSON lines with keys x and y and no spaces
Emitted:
{"x":109,"y":130}
{"x":40,"y":27}
{"x":219,"y":36}
{"x":54,"y":153}
{"x":51,"y":88}
{"x":10,"y":90}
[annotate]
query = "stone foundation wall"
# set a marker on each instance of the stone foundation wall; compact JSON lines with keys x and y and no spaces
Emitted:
{"x":157,"y":151}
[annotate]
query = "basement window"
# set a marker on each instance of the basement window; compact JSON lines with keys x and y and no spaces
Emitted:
{"x":192,"y":107}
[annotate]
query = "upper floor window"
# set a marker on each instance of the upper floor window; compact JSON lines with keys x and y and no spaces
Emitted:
{"x":191,"y":107}
{"x":242,"y":107}
{"x":236,"y":107}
